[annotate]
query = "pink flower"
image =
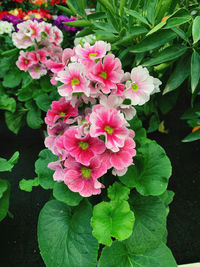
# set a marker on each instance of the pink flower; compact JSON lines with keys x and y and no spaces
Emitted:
{"x":108,"y":73}
{"x":83,"y":179}
{"x":74,"y":81}
{"x":55,"y":67}
{"x":60,"y":109}
{"x":33,"y":30}
{"x":24,"y":61}
{"x":37,"y":70}
{"x":82,"y":149}
{"x":59,"y":173}
{"x":111,"y":124}
{"x":121,"y":159}
{"x":56,"y":36}
{"x":141,"y":85}
{"x":88,"y":54}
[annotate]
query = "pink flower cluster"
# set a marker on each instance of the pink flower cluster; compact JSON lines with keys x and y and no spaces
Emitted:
{"x":88,"y":128}
{"x":45,"y":40}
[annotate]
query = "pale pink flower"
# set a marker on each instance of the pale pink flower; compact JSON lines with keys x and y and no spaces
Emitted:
{"x":110,"y":123}
{"x":139,"y":88}
{"x":37,"y":70}
{"x":33,"y":30}
{"x":157,"y":84}
{"x":24,"y":61}
{"x":60,"y":109}
{"x":74,"y":81}
{"x":121,"y":159}
{"x":59,"y":173}
{"x":21,"y":40}
{"x":88,"y":54}
{"x":119,"y":172}
{"x":82,"y":149}
{"x":83,"y":179}
{"x":107,"y":74}
{"x":56,"y":35}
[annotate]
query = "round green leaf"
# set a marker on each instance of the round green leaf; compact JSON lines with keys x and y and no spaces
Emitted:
{"x":112,"y":219}
{"x":150,"y":223}
{"x":118,"y":192}
{"x":118,"y":255}
{"x":44,"y":174}
{"x":62,"y":193}
{"x":151,"y":171}
{"x":65,"y":236}
{"x":3,"y":187}
{"x":27,"y":185}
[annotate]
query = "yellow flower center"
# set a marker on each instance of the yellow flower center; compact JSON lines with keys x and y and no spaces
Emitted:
{"x":86,"y":172}
{"x":83,"y":145}
{"x":75,"y":81}
{"x":103,"y":74}
{"x":134,"y":87}
{"x":92,"y":55}
{"x":109,"y":129}
{"x":26,"y":37}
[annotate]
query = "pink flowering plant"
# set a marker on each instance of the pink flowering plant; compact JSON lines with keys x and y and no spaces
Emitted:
{"x":109,"y":180}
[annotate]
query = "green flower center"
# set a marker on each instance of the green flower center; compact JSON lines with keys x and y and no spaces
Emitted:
{"x":83,"y":145}
{"x":92,"y":55}
{"x":134,"y":86}
{"x":26,"y":61}
{"x":109,"y":129}
{"x":86,"y":172}
{"x":103,"y":74}
{"x":26,"y":37}
{"x":75,"y":81}
{"x":37,"y":69}
{"x":62,"y":114}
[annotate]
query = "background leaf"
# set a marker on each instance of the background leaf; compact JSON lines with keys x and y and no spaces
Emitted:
{"x":196,"y":29}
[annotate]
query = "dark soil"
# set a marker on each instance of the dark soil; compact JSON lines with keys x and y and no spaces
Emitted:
{"x":18,"y":236}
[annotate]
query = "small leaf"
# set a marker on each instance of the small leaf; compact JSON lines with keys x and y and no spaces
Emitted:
{"x":195,"y":70}
{"x":112,"y":219}
{"x":4,"y":200}
{"x":79,"y":23}
{"x":3,"y":186}
{"x":118,"y":192}
{"x":196,"y":29}
{"x":27,"y":185}
{"x":62,"y":193}
{"x":44,"y":174}
{"x":43,"y":102}
{"x":157,"y":27}
{"x":65,"y":10}
{"x":136,"y":15}
{"x":194,"y":136}
{"x":7,"y":103}
{"x":33,"y":118}
{"x":5,"y":165}
{"x":181,"y":34}
{"x":12,"y":78}
{"x":176,"y":21}
{"x":65,"y":235}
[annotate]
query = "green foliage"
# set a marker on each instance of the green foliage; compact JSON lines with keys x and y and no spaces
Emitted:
{"x":118,"y":192}
{"x":62,"y":193}
{"x":151,"y":171}
{"x":4,"y":198}
{"x":112,"y":219}
{"x":27,"y":185}
{"x":15,"y":120}
{"x":65,"y":236}
{"x":7,"y":165}
{"x":45,"y":175}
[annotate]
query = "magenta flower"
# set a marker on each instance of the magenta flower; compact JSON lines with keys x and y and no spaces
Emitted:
{"x":111,"y":124}
{"x":74,"y":81}
{"x":107,"y":74}
{"x":60,"y":109}
{"x":88,"y":54}
{"x":83,"y":179}
{"x":82,"y":149}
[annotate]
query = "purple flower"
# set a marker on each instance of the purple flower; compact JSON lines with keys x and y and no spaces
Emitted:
{"x":59,"y":23}
{"x":14,"y":20}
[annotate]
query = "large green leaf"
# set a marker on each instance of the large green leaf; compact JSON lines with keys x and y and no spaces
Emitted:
{"x":33,"y":118}
{"x":12,"y":78}
{"x":151,"y":171}
{"x":4,"y":199}
{"x":43,"y":102}
{"x":154,"y":41}
{"x":168,"y":54}
{"x":112,"y":219}
{"x":150,"y":223}
{"x":195,"y":70}
{"x":7,"y":103}
{"x":45,"y":174}
{"x":118,"y":255}
{"x":178,"y":76}
{"x":62,"y":193}
{"x":65,"y":235}
{"x":176,"y":21}
{"x":196,"y":29}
